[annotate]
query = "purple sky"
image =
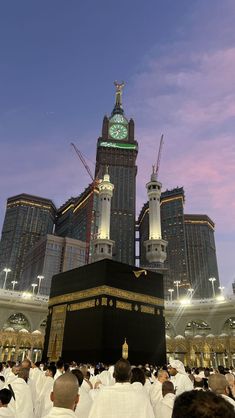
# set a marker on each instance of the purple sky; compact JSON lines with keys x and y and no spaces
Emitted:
{"x":58,"y":63}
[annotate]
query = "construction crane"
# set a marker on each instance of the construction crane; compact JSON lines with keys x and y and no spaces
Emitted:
{"x":159,"y":156}
{"x":82,"y":159}
{"x":90,"y":211}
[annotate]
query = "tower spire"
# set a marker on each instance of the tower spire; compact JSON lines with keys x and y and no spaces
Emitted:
{"x":118,"y":98}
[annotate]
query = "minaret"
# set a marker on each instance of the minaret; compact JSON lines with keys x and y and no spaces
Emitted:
{"x":155,"y":245}
{"x":103,"y":244}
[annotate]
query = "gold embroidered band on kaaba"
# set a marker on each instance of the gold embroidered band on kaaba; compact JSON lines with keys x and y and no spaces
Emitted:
{"x":106,"y":291}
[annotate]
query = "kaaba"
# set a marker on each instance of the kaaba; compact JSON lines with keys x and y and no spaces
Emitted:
{"x":93,"y":309}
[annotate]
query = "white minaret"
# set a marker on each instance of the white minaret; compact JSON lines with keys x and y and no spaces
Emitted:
{"x":155,"y":245}
{"x":103,"y":245}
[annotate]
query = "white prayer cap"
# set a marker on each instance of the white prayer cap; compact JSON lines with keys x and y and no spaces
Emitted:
{"x":178,"y":365}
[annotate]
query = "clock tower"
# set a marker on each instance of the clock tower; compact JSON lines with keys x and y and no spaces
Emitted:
{"x":117,"y":149}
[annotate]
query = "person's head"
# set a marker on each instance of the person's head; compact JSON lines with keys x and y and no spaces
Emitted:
{"x":26,"y":364}
{"x":218,"y":384}
{"x":84,"y":370}
{"x":122,"y":371}
{"x":5,"y":397}
{"x":65,"y":391}
{"x":167,"y":387}
{"x":78,"y":375}
{"x":207,"y":372}
{"x":162,"y":376}
{"x":200,"y":404}
{"x":23,"y":374}
{"x":137,"y":375}
{"x":10,"y":364}
{"x":175,"y":366}
{"x":221,"y":369}
{"x":51,"y":371}
{"x":15,"y":369}
{"x":66,"y":367}
{"x":188,"y":370}
{"x":147,"y":373}
{"x":60,"y":365}
{"x":198,"y":382}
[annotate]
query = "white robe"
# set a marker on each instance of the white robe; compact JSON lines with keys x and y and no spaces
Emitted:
{"x":119,"y":401}
{"x":182,"y":383}
{"x":156,"y":396}
{"x":138,"y":387}
{"x":148,"y":386}
{"x":6,"y":372}
{"x":6,"y":412}
{"x":43,"y":403}
{"x":37,"y":376}
{"x":60,"y":413}
{"x":84,"y":405}
{"x":58,"y":374}
{"x":22,"y":406}
{"x":9,"y":377}
{"x":166,"y":406}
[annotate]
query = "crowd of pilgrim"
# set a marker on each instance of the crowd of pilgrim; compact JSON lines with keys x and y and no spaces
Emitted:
{"x":61,"y":390}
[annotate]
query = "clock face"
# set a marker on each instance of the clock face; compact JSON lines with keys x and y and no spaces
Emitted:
{"x":118,"y":131}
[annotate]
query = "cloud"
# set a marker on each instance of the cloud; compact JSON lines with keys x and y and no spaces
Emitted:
{"x":195,"y":116}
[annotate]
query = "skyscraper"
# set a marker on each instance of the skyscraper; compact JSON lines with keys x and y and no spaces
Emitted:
{"x":49,"y":256}
{"x":173,"y":231}
{"x":191,"y":254}
{"x":27,"y":219}
{"x":77,"y":218}
{"x":117,"y":149}
{"x":201,"y":254}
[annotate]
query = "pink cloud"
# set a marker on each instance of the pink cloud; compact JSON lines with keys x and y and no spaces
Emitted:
{"x":191,"y":99}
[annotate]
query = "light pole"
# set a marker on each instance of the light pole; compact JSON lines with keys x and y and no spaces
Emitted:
{"x":171,"y":291}
{"x":212,"y":280}
{"x":6,"y":270}
{"x":40,"y":278}
{"x":177,"y":283}
{"x":14,"y":282}
{"x":221,"y":288}
{"x":33,"y":286}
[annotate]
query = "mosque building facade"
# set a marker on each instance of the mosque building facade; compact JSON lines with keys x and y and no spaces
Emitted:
{"x":193,"y":334}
